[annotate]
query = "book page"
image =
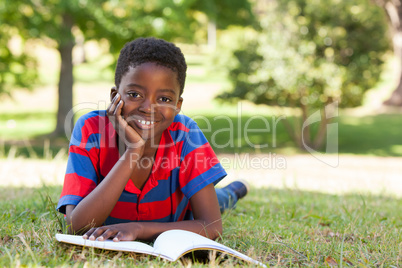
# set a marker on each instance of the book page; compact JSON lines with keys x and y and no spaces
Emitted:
{"x":129,"y":246}
{"x":175,"y":243}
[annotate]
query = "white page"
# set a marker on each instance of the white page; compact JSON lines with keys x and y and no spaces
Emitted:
{"x":174,"y":243}
{"x":129,"y":246}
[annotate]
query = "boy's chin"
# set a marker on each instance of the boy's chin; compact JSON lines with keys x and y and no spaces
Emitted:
{"x":148,"y":136}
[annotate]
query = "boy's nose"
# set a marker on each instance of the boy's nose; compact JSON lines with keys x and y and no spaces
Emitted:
{"x":146,"y":106}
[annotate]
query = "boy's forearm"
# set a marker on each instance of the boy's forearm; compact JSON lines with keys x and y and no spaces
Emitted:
{"x":205,"y":210}
{"x":94,"y":209}
{"x":212,"y":230}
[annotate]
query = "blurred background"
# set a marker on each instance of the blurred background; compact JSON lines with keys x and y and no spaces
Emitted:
{"x":281,"y":60}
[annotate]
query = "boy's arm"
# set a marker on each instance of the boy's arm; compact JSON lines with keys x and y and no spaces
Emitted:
{"x":94,"y":209}
{"x":207,"y":222}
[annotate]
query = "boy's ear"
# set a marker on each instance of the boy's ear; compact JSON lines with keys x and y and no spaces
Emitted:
{"x":113,"y":92}
{"x":178,"y":105}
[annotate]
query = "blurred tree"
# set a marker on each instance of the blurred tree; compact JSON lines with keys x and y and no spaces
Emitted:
{"x":115,"y":21}
{"x":308,"y":55}
{"x":393,"y":9}
{"x":17,"y":66}
{"x":223,"y":13}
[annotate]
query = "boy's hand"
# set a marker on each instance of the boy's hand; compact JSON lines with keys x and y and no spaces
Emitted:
{"x":117,"y":232}
{"x":128,"y":134}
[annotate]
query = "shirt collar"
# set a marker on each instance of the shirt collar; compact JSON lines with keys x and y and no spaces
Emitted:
{"x":166,"y":159}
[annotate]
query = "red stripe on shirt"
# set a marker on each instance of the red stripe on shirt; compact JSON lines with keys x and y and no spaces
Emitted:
{"x":77,"y":185}
{"x":125,"y":210}
{"x":161,"y":209}
{"x":94,"y":125}
{"x":198,"y":161}
{"x":178,"y":126}
{"x":79,"y":150}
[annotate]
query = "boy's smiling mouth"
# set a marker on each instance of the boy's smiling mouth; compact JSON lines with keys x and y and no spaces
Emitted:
{"x":141,"y":123}
{"x":144,"y":124}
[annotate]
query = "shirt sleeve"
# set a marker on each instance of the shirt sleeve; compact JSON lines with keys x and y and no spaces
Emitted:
{"x":81,"y":174}
{"x":199,"y":166}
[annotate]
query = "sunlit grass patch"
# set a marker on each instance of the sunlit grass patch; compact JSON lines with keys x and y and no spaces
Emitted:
{"x":302,"y":228}
{"x":26,"y":125}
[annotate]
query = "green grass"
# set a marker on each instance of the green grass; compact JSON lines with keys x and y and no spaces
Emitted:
{"x":98,"y":70}
{"x":374,"y":135}
{"x":378,"y":135}
{"x":277,"y":227}
{"x":26,"y":125}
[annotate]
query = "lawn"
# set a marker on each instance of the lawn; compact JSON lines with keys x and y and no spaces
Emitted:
{"x":278,"y":227}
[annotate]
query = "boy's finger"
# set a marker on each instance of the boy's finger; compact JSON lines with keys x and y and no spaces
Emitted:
{"x":122,"y":237}
{"x":112,"y":107}
{"x":96,"y":233}
{"x":107,"y":234}
{"x":118,"y":237}
{"x":118,"y":117}
{"x":88,"y":233}
{"x":119,"y":106}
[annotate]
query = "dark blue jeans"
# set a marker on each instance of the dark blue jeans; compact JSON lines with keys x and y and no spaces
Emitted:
{"x":227,"y":199}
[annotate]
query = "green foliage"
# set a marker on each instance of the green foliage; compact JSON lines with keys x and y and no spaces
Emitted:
{"x":225,"y":12}
{"x":17,"y":66}
{"x":310,"y":53}
{"x":115,"y":21}
{"x":58,"y":23}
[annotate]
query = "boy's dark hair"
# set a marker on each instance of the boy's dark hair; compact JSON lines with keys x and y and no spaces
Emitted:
{"x":151,"y":49}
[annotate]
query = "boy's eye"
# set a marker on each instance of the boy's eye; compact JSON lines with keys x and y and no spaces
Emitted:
{"x":134,"y":94}
{"x":165,"y":99}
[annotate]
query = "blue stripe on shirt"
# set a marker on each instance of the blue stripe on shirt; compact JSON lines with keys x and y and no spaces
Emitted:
{"x":164,"y":189}
{"x":213,"y":175}
{"x":128,"y":197}
{"x":82,"y":166}
{"x":76,"y":136}
{"x":193,"y":142}
{"x":68,"y":200}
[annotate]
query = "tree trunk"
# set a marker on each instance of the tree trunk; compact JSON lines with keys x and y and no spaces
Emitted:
{"x":396,"y":96}
{"x":305,"y":138}
{"x":212,"y":35}
{"x":394,"y":12}
{"x":66,"y":80}
{"x":322,"y":131}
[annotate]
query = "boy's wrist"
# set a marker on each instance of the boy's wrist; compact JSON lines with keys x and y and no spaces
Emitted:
{"x":134,"y":154}
{"x":139,"y":231}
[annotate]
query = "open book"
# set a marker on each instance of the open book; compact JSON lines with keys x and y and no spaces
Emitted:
{"x":170,"y":245}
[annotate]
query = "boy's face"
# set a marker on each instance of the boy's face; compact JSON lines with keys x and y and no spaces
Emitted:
{"x":151,"y":97}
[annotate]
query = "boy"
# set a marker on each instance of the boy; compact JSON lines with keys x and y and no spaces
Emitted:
{"x":139,"y":168}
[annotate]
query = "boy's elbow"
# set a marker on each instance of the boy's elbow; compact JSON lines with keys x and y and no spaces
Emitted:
{"x":219,"y":232}
{"x":216,"y":230}
{"x":71,"y":228}
{"x":76,"y":231}
{"x":70,"y":231}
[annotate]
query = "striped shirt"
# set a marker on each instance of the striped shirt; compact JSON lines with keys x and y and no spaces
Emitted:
{"x":184,"y":164}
